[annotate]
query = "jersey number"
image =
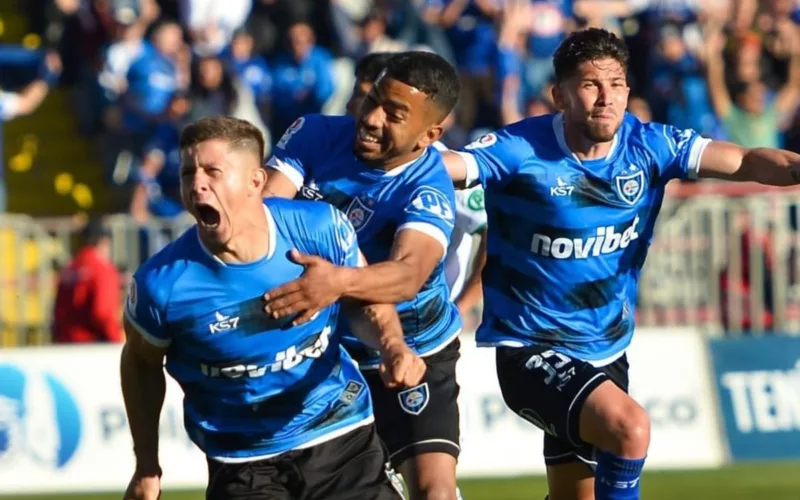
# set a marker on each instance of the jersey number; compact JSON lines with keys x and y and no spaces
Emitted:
{"x":553,"y":371}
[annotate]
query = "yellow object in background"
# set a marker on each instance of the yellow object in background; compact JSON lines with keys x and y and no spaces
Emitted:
{"x":63,"y":183}
{"x":31,"y":41}
{"x":82,"y":195}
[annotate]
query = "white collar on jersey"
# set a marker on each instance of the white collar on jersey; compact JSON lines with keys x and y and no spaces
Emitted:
{"x":273,"y":235}
{"x":558,"y":129}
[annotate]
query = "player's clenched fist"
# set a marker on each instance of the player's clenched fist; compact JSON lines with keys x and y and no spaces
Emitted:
{"x":143,"y":488}
{"x":401,"y":367}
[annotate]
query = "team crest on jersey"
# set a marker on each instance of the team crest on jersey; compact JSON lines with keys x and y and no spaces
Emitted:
{"x":414,"y":400}
{"x":359,"y":213}
{"x":630,"y":187}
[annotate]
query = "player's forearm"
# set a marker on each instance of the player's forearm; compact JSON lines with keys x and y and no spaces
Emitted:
{"x":143,"y":389}
{"x":383,"y":283}
{"x":377,"y":326}
{"x":774,"y":167}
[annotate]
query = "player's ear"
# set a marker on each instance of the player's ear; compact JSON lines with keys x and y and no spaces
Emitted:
{"x":433,"y":134}
{"x":258,"y":180}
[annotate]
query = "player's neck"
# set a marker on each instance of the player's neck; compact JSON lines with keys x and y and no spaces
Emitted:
{"x":399,"y":161}
{"x":250,"y":240}
{"x":584,"y":148}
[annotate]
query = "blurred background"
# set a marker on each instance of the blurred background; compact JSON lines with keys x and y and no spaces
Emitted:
{"x":93,"y":94}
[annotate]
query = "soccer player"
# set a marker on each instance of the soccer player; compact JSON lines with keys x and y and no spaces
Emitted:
{"x":572,"y":199}
{"x":281,"y":411}
{"x":379,"y":170}
{"x":470,"y":216}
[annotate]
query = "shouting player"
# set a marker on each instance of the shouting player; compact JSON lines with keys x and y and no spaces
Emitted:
{"x":395,"y":190}
{"x":281,"y":411}
{"x":572,"y":199}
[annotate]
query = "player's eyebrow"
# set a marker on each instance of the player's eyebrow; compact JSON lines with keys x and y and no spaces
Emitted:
{"x":398,"y":105}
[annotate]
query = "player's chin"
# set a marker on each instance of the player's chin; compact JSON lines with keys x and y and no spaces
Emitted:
{"x":368,"y":154}
{"x":602,"y":130}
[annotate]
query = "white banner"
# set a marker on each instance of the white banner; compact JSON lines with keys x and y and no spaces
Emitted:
{"x":63,"y":425}
{"x":669,"y":375}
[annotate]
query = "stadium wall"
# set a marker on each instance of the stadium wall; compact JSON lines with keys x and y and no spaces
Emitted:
{"x":63,"y":426}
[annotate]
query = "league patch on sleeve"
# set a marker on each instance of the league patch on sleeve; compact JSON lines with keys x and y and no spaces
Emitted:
{"x":427,"y":200}
{"x":293,"y":129}
{"x":482,"y":142}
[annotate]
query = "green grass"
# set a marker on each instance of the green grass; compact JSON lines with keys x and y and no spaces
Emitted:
{"x":768,"y":481}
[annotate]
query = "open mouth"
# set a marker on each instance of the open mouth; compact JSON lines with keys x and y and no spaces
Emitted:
{"x":207,"y":215}
{"x":366,"y":139}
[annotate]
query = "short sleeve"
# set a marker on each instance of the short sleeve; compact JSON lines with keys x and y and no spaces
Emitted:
{"x":145,"y":307}
{"x":293,"y":155}
{"x":430,"y":210}
{"x":677,"y":152}
{"x":471,"y":209}
{"x":495,"y":157}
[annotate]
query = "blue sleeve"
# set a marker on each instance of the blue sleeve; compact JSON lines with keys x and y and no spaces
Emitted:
{"x":676,"y":152}
{"x":494,"y":158}
{"x":159,"y":140}
{"x":431,"y":209}
{"x":145,"y":307}
{"x":295,"y":153}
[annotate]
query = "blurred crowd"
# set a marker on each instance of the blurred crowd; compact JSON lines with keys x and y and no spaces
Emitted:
{"x":139,"y":69}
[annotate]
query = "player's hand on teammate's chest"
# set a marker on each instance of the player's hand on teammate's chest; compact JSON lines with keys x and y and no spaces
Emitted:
{"x":317,"y":288}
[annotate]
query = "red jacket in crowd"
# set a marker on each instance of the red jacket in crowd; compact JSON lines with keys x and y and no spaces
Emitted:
{"x":88,"y":300}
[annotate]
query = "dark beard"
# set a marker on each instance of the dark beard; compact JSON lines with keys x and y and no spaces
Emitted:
{"x":597,"y":133}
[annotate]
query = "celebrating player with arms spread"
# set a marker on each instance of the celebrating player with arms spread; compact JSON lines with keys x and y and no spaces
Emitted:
{"x":572,"y":199}
{"x":395,"y":190}
{"x":280,"y":411}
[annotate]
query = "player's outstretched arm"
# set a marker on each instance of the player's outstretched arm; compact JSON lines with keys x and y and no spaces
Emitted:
{"x":278,"y":185}
{"x":411,"y":261}
{"x":456,"y":167}
{"x":774,"y":167}
{"x":413,"y":257}
{"x":378,"y":326}
{"x":143,"y":389}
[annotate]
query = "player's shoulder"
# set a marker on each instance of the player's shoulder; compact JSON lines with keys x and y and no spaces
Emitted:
{"x":315,"y":130}
{"x":654,"y":136}
{"x":519,"y":139}
{"x":157,"y":275}
{"x":430,"y":171}
{"x":310,"y":226}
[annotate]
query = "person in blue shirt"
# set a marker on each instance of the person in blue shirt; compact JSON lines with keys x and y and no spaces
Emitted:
{"x":378,"y":168}
{"x":302,"y":78}
{"x":281,"y":411}
{"x":572,"y":200}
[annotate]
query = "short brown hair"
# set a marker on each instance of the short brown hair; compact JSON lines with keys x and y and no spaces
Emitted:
{"x":240,"y":134}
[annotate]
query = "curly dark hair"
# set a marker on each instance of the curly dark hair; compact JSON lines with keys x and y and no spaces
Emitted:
{"x":587,"y":45}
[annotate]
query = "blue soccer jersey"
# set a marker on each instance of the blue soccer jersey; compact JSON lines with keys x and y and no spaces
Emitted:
{"x":316,"y":153}
{"x":567,"y":238}
{"x":253,"y":386}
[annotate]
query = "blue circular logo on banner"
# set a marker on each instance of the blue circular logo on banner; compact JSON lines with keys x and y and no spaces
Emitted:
{"x":39,"y":418}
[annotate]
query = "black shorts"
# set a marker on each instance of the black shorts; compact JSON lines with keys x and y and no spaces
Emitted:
{"x":422,"y":419}
{"x":549,"y":389}
{"x":350,"y":467}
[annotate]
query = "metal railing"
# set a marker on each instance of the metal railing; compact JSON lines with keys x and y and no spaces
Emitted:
{"x":723,"y":264}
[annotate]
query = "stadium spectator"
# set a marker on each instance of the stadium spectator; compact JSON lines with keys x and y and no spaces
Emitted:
{"x":211,"y":23}
{"x":303,"y":79}
{"x":14,"y":104}
{"x":252,"y":69}
{"x":87,"y":305}
{"x":749,"y":116}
